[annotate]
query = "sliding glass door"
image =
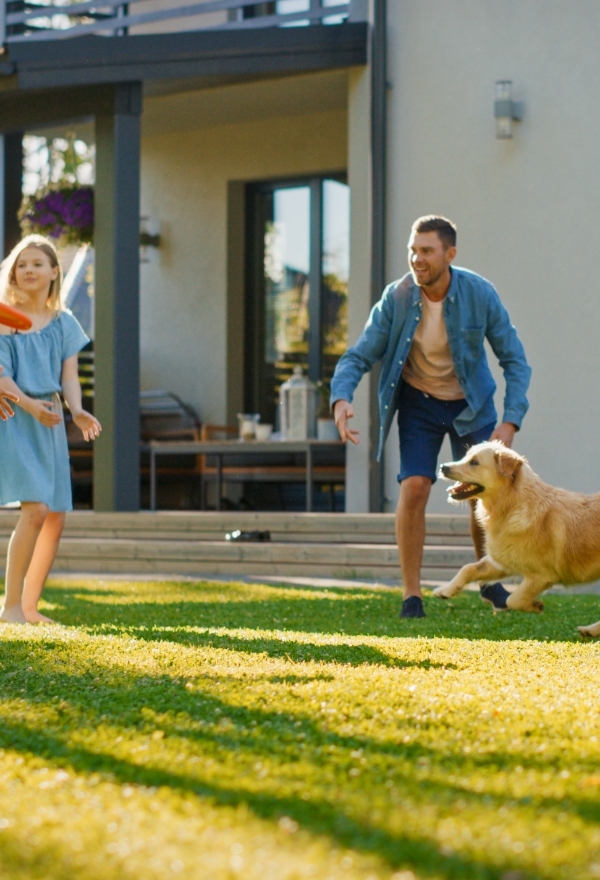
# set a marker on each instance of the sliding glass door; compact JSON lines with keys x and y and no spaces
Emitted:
{"x":297,"y":285}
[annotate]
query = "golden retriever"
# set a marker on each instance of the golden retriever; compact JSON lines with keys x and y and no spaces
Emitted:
{"x":546,"y":535}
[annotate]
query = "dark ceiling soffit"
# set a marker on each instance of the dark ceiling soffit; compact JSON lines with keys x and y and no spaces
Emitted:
{"x":40,"y":108}
{"x":88,"y":60}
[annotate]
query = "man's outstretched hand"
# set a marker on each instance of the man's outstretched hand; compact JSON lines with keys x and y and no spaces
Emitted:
{"x":505,"y":432}
{"x":342,"y":411}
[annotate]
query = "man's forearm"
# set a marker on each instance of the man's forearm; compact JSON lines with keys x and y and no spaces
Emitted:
{"x":360,"y":358}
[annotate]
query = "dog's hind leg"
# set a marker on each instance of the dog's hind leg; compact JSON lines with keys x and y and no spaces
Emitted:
{"x":590,"y":632}
{"x":483,"y":570}
{"x":523,"y":598}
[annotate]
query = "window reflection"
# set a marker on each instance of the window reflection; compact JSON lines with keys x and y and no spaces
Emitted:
{"x":285,"y":318}
{"x":336,"y":270}
{"x":286,"y":268}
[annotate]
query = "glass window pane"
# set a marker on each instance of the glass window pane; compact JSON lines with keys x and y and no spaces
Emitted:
{"x":336,"y":271}
{"x":286,"y":268}
{"x":334,"y":19}
{"x":288,"y":6}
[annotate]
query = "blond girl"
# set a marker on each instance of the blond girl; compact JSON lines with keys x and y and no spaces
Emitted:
{"x":34,"y":459}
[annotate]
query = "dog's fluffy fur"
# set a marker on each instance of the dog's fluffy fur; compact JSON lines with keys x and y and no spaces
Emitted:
{"x":546,"y":535}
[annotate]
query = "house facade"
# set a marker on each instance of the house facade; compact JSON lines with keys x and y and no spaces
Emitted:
{"x":282,"y":150}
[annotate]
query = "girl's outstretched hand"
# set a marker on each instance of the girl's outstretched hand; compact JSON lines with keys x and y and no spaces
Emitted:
{"x":89,"y":426}
{"x":6,"y":409}
{"x":42,"y":410}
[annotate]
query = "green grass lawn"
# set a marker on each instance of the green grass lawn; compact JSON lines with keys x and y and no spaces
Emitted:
{"x":223,"y":731}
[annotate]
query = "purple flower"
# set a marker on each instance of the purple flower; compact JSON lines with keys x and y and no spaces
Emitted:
{"x":66,"y":213}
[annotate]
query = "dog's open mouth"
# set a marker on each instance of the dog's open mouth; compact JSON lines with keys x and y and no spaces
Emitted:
{"x":462,"y":491}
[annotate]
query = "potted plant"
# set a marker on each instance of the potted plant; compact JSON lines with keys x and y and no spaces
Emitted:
{"x":62,"y":208}
{"x":64,"y":213}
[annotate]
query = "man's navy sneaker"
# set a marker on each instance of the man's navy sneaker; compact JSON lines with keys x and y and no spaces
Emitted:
{"x":495,"y":595}
{"x":412,"y":607}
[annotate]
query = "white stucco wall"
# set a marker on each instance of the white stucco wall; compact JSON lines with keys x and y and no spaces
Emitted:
{"x":527,"y":209}
{"x":184,"y":187}
{"x":359,"y":289}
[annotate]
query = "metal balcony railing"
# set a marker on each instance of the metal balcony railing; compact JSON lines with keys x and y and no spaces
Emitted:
{"x":28,"y":21}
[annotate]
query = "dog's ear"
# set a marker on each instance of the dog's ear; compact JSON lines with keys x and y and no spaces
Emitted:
{"x":509,"y":462}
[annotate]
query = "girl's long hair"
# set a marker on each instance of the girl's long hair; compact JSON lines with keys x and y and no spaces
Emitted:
{"x":9,"y":292}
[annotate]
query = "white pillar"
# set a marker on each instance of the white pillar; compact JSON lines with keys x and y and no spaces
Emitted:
{"x":359,"y":293}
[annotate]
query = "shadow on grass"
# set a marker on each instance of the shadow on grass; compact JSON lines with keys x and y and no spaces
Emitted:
{"x":342,"y":612}
{"x":136,"y":702}
{"x":29,"y":860}
{"x":123,"y":700}
{"x":286,"y":647}
{"x":319,"y":816}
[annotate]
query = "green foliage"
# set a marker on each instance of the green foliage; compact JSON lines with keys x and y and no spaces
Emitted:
{"x":211,"y":730}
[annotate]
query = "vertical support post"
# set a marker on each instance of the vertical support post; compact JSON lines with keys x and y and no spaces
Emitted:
{"x":378,"y":226}
{"x":152,"y":477}
{"x":309,"y":477}
{"x":236,"y":298}
{"x":12,"y":184}
{"x":121,"y":12}
{"x":358,"y":458}
{"x":219,"y":481}
{"x":117,"y":339}
{"x":315,"y":282}
{"x":2,"y":25}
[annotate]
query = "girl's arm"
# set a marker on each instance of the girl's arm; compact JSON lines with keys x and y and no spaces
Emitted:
{"x":89,"y":426}
{"x":39,"y":409}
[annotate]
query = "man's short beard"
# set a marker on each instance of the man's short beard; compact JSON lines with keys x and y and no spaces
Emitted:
{"x":429,"y":283}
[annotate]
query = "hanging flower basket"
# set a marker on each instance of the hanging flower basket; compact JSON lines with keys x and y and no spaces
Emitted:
{"x":65,"y":215}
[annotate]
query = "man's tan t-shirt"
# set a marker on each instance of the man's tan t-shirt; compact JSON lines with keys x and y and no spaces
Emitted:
{"x":429,"y":366}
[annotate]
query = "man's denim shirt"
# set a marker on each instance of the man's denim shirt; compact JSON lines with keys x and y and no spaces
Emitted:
{"x":472,"y":312}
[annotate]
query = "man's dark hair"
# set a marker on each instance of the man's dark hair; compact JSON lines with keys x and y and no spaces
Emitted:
{"x":445,"y":228}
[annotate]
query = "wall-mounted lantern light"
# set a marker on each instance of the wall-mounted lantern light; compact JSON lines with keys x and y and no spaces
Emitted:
{"x":149,"y":237}
{"x":505,"y":109}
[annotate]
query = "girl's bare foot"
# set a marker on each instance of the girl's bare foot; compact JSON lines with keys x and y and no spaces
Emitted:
{"x":12,"y":614}
{"x":36,"y":617}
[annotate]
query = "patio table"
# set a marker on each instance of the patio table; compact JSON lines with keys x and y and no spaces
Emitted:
{"x":222,"y":448}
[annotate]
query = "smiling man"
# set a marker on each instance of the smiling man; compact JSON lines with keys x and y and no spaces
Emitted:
{"x":428,"y":329}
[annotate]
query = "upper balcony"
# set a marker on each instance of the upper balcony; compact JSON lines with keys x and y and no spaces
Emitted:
{"x":25,"y":21}
{"x":46,"y":43}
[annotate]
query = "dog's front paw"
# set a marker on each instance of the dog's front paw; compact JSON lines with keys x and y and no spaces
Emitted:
{"x":445,"y":592}
{"x":589,"y":632}
{"x":515,"y":604}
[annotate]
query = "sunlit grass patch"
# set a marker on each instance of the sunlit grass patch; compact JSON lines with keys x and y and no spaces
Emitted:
{"x":231,"y":730}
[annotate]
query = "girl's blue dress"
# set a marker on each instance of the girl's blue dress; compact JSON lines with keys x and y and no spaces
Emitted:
{"x":34,"y":459}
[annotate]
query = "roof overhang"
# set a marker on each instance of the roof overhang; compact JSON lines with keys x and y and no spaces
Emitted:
{"x":242,"y":54}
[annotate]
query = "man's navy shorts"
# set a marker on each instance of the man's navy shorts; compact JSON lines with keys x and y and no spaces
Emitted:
{"x":423,"y":422}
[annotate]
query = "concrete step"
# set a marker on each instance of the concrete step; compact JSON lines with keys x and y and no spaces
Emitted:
{"x":284,"y":527}
{"x":270,"y":558}
{"x":315,"y":545}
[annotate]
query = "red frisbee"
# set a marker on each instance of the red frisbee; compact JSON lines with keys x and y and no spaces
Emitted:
{"x":14,"y":318}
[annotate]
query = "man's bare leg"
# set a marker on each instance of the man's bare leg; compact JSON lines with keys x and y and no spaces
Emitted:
{"x":42,"y":560}
{"x":410,"y":531}
{"x":20,"y":551}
